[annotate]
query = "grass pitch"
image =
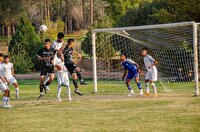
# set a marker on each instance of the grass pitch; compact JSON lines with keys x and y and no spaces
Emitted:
{"x":108,"y":110}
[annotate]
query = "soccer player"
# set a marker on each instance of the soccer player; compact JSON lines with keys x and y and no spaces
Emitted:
{"x":9,"y":74}
{"x":64,"y":79}
{"x":133,"y":72}
{"x":57,"y":45}
{"x":151,"y":74}
{"x":3,"y":85}
{"x":74,"y":70}
{"x":46,"y":55}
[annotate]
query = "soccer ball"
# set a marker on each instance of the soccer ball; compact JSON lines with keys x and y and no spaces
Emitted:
{"x":43,"y":28}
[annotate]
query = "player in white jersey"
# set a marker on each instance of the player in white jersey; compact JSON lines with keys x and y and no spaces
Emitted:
{"x":9,"y":74}
{"x":151,"y":74}
{"x":3,"y":85}
{"x":57,"y":45}
{"x":63,"y":79}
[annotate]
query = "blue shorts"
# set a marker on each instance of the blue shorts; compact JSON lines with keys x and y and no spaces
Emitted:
{"x":132,"y":75}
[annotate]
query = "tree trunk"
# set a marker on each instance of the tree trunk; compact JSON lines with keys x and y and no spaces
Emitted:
{"x":13,"y":28}
{"x":8,"y":30}
{"x":91,"y":12}
{"x":66,"y":16}
{"x":48,"y":11}
{"x":45,"y":10}
{"x":2,"y":30}
{"x":69,"y":23}
{"x":83,"y":9}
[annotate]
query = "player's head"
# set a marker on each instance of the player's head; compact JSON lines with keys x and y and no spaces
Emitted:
{"x":144,"y":51}
{"x":6,"y":58}
{"x":70,"y":42}
{"x":60,"y":36}
{"x":1,"y":57}
{"x":47,"y":43}
{"x":123,"y":56}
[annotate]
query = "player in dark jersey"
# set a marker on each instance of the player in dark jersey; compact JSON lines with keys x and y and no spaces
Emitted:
{"x":46,"y":55}
{"x":74,"y":70}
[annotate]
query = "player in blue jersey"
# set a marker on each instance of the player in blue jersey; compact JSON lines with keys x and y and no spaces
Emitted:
{"x":131,"y":71}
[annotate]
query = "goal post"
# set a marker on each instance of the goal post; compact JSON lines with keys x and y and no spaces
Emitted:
{"x":175,"y":45}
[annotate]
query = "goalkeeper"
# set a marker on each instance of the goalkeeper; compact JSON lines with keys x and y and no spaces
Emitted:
{"x":130,"y":71}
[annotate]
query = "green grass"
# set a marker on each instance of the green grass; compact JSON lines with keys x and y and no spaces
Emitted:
{"x":110,"y":109}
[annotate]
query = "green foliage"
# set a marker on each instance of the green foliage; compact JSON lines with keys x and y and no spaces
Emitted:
{"x":86,"y":46}
{"x":160,"y":11}
{"x":25,"y":40}
{"x":22,"y":62}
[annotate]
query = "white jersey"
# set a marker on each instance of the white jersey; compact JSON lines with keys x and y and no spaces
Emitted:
{"x":57,"y":45}
{"x":8,"y":69}
{"x":148,"y":61}
{"x":2,"y":73}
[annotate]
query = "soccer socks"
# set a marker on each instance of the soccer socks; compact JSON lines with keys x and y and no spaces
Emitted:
{"x":139,"y":85}
{"x":79,"y":76}
{"x":147,"y":87}
{"x":41,"y":89}
{"x":17,"y":92}
{"x":47,"y":83}
{"x":6,"y":101}
{"x":154,"y":87}
{"x":69,"y":93}
{"x":75,"y":83}
{"x":59,"y":91}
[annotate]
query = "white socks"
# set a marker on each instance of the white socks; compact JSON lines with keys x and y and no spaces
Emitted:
{"x":17,"y":92}
{"x":154,"y":88}
{"x":147,"y":87}
{"x":59,"y":91}
{"x":5,"y":100}
{"x":67,"y":90}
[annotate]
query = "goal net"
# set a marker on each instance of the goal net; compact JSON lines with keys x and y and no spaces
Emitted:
{"x":174,"y":46}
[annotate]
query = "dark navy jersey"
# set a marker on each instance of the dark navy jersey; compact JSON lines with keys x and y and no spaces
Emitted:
{"x":129,"y":65}
{"x":67,"y":53}
{"x":47,"y":53}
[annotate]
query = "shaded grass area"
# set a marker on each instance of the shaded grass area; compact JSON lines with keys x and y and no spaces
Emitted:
{"x":108,"y":110}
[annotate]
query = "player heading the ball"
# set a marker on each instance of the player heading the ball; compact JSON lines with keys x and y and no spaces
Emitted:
{"x":131,"y":70}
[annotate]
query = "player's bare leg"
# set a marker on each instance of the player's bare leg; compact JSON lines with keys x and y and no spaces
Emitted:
{"x":45,"y":81}
{"x":78,"y":72}
{"x":15,"y":84}
{"x":51,"y":77}
{"x":128,"y":81}
{"x":139,"y":85}
{"x":74,"y":76}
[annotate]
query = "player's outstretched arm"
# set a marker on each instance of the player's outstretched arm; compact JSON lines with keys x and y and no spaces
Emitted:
{"x":74,"y":52}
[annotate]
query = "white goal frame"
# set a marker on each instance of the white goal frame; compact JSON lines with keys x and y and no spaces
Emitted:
{"x":170,"y":25}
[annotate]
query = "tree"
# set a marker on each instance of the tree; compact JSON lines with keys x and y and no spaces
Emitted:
{"x":26,"y":43}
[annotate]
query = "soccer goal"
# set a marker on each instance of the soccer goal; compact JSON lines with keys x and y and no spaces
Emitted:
{"x":174,"y":46}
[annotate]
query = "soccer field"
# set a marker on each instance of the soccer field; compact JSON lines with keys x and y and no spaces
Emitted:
{"x":108,"y":110}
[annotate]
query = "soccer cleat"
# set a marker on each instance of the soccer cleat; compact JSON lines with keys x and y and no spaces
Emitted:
{"x":47,"y":87}
{"x":141,"y":93}
{"x":131,"y":93}
{"x":59,"y":99}
{"x":83,"y":83}
{"x":69,"y":99}
{"x":155,"y":95}
{"x":147,"y":94}
{"x":6,"y":106}
{"x":78,"y":92}
{"x":41,"y":96}
{"x":17,"y":96}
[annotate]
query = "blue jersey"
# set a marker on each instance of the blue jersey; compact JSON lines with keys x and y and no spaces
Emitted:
{"x":129,"y":65}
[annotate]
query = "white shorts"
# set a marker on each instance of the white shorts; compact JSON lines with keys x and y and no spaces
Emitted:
{"x":11,"y":79}
{"x":3,"y":86}
{"x":65,"y":78}
{"x":151,"y":75}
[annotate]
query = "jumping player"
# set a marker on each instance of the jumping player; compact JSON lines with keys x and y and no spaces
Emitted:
{"x":74,"y":70}
{"x":9,"y":74}
{"x":3,"y":85}
{"x":64,"y":79}
{"x":46,"y":55}
{"x":57,"y":45}
{"x":151,"y":74}
{"x":133,"y":72}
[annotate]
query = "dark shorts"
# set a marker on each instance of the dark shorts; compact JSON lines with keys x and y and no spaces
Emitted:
{"x":70,"y":66}
{"x":46,"y":70}
{"x":132,"y":75}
